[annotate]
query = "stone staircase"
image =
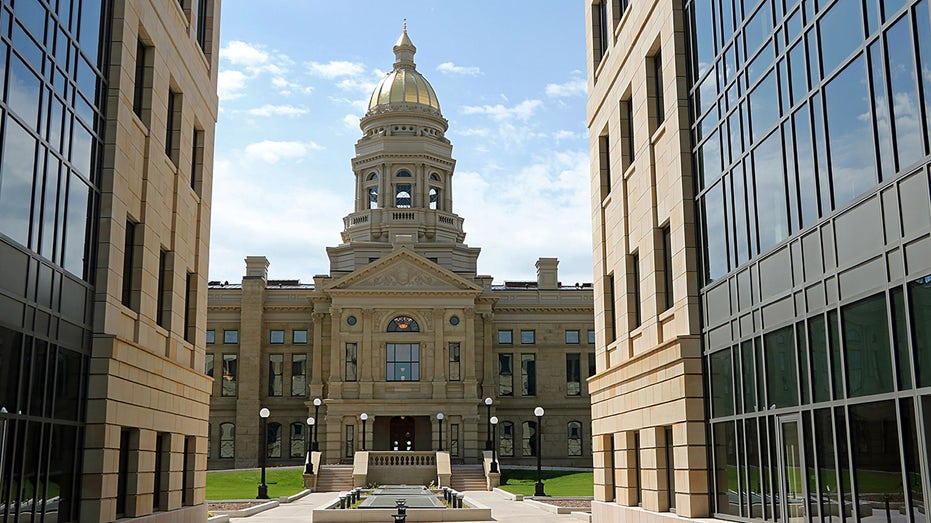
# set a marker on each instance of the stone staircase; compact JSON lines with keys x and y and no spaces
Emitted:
{"x":467,"y":477}
{"x":334,"y":478}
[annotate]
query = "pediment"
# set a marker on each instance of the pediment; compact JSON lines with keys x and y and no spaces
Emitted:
{"x":404,"y":271}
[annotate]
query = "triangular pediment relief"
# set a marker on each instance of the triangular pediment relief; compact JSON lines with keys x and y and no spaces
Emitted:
{"x":404,"y":270}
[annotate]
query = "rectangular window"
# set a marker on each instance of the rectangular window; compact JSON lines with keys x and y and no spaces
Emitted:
{"x":190,"y":307}
{"x":634,"y":287}
{"x":505,"y":337}
{"x":297,"y":440}
{"x":667,"y":268}
{"x":572,"y":337}
{"x":505,"y":374}
{"x":528,"y":337}
{"x":230,"y":337}
{"x":129,"y":263}
{"x":122,"y":477}
{"x":659,"y":104}
{"x":208,"y":364}
{"x":230,"y":372}
{"x":187,"y":477}
{"x":592,"y":369}
{"x":352,"y":355}
{"x":299,"y":337}
{"x":162,"y":308}
{"x":275,"y":374}
{"x":350,"y":441}
{"x":506,"y":439}
{"x":211,"y":336}
{"x":591,"y":336}
{"x":671,"y":470}
{"x":276,"y":337}
{"x":298,"y":374}
{"x":627,"y":133}
{"x":610,"y":306}
{"x":173,"y":126}
{"x":142,"y":85}
{"x":454,"y":357}
{"x":528,"y":375}
{"x":201,"y":25}
{"x":637,"y":476}
{"x":402,"y":362}
{"x":454,"y":440}
{"x":197,"y":159}
{"x":600,"y":30}
{"x":573,"y":374}
{"x":604,"y":163}
{"x":162,"y":455}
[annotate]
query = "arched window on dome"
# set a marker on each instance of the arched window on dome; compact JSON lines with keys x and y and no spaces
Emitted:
{"x":373,"y":197}
{"x":373,"y":177}
{"x":434,"y":177}
{"x":371,"y":190}
{"x":434,"y":198}
{"x":402,"y":196}
{"x":403,"y":324}
{"x":403,"y":174}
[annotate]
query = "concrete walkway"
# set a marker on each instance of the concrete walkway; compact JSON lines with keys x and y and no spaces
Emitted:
{"x":502,"y":509}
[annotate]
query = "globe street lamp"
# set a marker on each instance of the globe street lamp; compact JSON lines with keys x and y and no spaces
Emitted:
{"x":309,"y":467}
{"x":494,"y":449}
{"x":439,"y":418}
{"x":538,"y":488}
{"x":488,"y":402}
{"x":363,"y":417}
{"x":263,"y":416}
{"x":316,"y":444}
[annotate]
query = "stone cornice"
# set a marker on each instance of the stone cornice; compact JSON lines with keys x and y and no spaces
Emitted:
{"x":544,"y":308}
{"x":402,"y":292}
{"x":362,"y":162}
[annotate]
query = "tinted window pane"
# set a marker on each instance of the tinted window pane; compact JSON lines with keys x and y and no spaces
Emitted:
{"x":906,"y":113}
{"x":769,"y":174}
{"x":875,"y":446}
{"x":709,"y":164}
{"x":23,"y":92}
{"x":16,"y":173}
{"x":900,"y":335}
{"x":758,"y":27}
{"x":805,"y":162}
{"x":841,"y":32}
{"x":881,"y":105}
{"x":76,"y":226}
{"x":781,"y":374}
{"x":725,"y":467}
{"x":866,"y":340}
{"x":850,"y":134}
{"x":798,"y":69}
{"x":722,"y":384}
{"x":923,"y":23}
{"x":715,"y":234}
{"x":749,"y":381}
{"x":920,"y":308}
{"x":824,"y":443}
{"x":704,"y":36}
{"x":764,"y":106}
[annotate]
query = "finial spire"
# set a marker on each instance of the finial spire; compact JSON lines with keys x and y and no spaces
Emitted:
{"x":404,"y":50}
{"x":405,"y":25}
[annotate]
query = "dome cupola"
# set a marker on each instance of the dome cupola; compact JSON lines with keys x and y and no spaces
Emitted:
{"x":403,"y":85}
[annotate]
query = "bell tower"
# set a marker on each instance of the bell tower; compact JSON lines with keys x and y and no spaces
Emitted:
{"x":403,"y":171}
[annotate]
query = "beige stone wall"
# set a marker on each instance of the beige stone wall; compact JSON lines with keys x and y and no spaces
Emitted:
{"x":649,"y":374}
{"x":146,"y":377}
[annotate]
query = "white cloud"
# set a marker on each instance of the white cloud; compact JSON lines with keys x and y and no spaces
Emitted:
{"x":230,"y":84}
{"x":336,"y":69}
{"x":351,"y":121}
{"x":277,"y":110}
{"x":563,"y":134}
{"x":244,"y":54}
{"x":451,"y":68}
{"x":287,"y":87}
{"x":357,"y":85}
{"x":576,"y":87}
{"x":272,"y":152}
{"x":521,"y":111}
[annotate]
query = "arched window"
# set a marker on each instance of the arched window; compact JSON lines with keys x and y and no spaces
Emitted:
{"x":434,"y":197}
{"x":403,"y":324}
{"x":273,"y":440}
{"x":227,"y":440}
{"x":297,"y":440}
{"x":506,"y":438}
{"x":402,"y":196}
{"x":403,"y":174}
{"x":574,"y":438}
{"x":434,"y":177}
{"x":373,"y":177}
{"x":373,"y":197}
{"x":528,"y":435}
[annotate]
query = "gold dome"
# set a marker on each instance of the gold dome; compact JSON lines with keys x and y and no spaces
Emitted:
{"x":404,"y":84}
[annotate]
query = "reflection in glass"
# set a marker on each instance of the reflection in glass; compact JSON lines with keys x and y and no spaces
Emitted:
{"x":824,"y":442}
{"x":793,"y":478}
{"x":749,"y":377}
{"x":714,"y":232}
{"x":850,"y":134}
{"x":919,"y":301}
{"x":764,"y":106}
{"x":76,"y":226}
{"x":900,"y":337}
{"x":841,"y":30}
{"x":725,"y":469}
{"x":881,"y":113}
{"x":16,"y":172}
{"x":904,"y":93}
{"x":875,"y":447}
{"x":704,"y":36}
{"x":781,"y":373}
{"x":866,"y":344}
{"x":923,"y":38}
{"x":769,"y":174}
{"x":753,"y":479}
{"x":722,"y":384}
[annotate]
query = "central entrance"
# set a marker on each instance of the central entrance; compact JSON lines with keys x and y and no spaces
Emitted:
{"x":401,"y":433}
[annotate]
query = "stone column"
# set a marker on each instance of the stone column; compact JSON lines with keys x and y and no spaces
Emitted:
{"x":367,"y":347}
{"x":316,"y":358}
{"x":250,"y":362}
{"x":441,"y":355}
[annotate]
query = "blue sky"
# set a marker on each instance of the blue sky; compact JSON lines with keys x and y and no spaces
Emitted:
{"x":296,"y":75}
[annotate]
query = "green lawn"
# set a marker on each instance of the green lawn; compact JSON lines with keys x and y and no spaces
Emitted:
{"x":555,"y":482}
{"x":243,"y":484}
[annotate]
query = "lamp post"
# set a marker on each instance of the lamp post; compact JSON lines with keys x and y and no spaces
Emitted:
{"x":263,"y":449}
{"x":363,"y":417}
{"x":488,"y":402}
{"x":538,"y":488}
{"x":309,"y":467}
{"x":494,"y":449}
{"x":315,"y":446}
{"x":439,"y":418}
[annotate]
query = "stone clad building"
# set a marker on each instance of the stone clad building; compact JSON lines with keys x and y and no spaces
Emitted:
{"x":403,"y":327}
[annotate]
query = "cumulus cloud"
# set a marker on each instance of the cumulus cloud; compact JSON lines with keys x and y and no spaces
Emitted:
{"x":451,"y":68}
{"x":277,"y":110}
{"x":563,"y":134}
{"x":335,"y":69}
{"x":500,"y":112}
{"x":242,"y":62}
{"x":272,"y":152}
{"x":244,"y":54}
{"x":230,"y":84}
{"x":351,"y":121}
{"x":575,"y":87}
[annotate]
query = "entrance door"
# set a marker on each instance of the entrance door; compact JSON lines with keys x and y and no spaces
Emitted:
{"x":401,"y":430}
{"x":792,"y":500}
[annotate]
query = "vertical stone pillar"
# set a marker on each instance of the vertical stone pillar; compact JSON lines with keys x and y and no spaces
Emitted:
{"x":467,"y":352}
{"x":653,"y":469}
{"x":250,"y":362}
{"x":691,"y":460}
{"x":316,"y":359}
{"x":603,"y":463}
{"x":367,"y":347}
{"x":487,"y":354}
{"x":625,"y":471}
{"x":441,"y":355}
